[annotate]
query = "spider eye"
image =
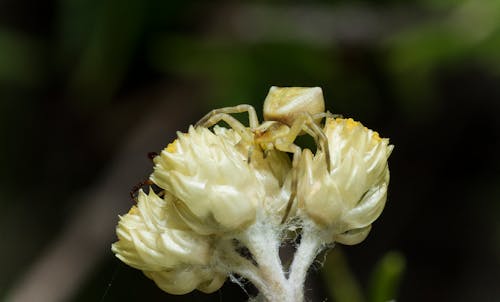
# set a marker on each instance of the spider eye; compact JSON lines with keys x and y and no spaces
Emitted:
{"x":284,"y":103}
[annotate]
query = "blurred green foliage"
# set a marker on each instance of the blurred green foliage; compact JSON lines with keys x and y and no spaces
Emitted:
{"x":21,"y":58}
{"x":343,"y":285}
{"x":242,"y":72}
{"x":340,"y":280}
{"x":386,"y":277}
{"x":456,"y":32}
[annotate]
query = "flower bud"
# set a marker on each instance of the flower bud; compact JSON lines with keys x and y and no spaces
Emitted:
{"x":152,"y":238}
{"x":210,"y":175}
{"x":352,"y":195}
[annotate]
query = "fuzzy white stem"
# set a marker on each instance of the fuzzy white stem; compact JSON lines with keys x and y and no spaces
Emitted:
{"x":263,"y":242}
{"x":234,"y":263}
{"x":310,"y":246}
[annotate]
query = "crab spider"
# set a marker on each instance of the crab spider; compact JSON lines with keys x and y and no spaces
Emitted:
{"x":288,"y":113}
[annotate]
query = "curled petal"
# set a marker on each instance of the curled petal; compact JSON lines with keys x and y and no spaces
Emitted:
{"x":369,"y":208}
{"x":353,"y":236}
{"x":213,"y":283}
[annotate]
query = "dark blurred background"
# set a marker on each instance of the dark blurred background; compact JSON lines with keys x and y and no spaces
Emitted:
{"x":88,"y":88}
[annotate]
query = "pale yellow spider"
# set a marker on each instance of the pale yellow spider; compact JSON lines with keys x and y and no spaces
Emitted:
{"x":288,"y":113}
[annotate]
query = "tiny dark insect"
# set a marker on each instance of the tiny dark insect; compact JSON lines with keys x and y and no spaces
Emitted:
{"x":137,"y":187}
{"x":152,"y":155}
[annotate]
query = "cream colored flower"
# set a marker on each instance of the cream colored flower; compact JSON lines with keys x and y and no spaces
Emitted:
{"x":226,"y":206}
{"x":350,"y":197}
{"x":210,"y":174}
{"x":151,"y":237}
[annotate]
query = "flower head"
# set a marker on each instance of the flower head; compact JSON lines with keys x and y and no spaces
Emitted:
{"x":152,"y":238}
{"x":207,"y":171}
{"x":352,"y":195}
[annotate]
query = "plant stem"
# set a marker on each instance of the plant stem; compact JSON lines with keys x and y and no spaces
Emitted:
{"x":309,"y":248}
{"x":263,"y":242}
{"x":234,"y":263}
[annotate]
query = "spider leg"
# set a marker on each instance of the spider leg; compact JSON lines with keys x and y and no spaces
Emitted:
{"x":249,"y":155}
{"x":297,"y":151}
{"x":252,"y":115}
{"x":305,"y":122}
{"x":321,"y":140}
{"x":236,"y":125}
{"x":326,"y":114}
{"x":313,"y":134}
{"x":216,"y":116}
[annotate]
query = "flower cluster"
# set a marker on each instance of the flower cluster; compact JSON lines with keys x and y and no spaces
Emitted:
{"x":222,"y":191}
